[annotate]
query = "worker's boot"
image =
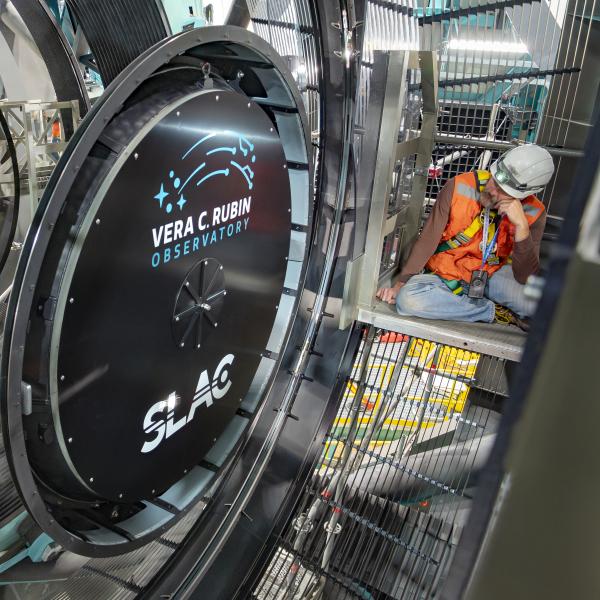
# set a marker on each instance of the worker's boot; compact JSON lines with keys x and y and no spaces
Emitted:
{"x":505,"y":316}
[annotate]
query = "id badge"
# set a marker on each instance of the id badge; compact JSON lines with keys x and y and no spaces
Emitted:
{"x":477,"y":284}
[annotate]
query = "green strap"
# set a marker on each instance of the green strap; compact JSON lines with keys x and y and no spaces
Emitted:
{"x":465,"y":236}
{"x":454,"y":284}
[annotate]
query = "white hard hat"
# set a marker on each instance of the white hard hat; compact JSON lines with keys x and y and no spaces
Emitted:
{"x":523,"y":170}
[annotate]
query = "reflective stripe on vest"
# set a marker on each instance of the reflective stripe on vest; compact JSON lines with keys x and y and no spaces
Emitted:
{"x":464,"y":237}
{"x":469,"y":192}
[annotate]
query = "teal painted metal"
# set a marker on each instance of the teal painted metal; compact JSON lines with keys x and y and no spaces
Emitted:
{"x":36,"y":551}
{"x":530,"y":98}
{"x":9,"y":534}
{"x":66,"y":24}
{"x":184,"y":14}
{"x":53,"y":5}
{"x":13,"y":543}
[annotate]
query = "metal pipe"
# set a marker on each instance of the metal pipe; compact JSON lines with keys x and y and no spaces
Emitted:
{"x":471,"y":10}
{"x":5,"y":293}
{"x":455,"y":140}
{"x":514,"y":76}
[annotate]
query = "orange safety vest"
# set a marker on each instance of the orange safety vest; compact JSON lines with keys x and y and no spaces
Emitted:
{"x":458,"y":263}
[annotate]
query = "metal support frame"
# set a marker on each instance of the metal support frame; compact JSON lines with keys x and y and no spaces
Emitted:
{"x":363,"y":275}
{"x":389,"y":98}
{"x":30,"y":124}
{"x":43,"y":30}
{"x":427,"y":63}
{"x":457,"y":140}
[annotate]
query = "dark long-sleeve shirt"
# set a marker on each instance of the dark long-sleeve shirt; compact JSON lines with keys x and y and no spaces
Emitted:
{"x":525,"y":256}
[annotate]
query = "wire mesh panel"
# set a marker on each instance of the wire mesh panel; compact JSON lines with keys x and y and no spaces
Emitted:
{"x":572,"y":97}
{"x":390,"y":492}
{"x":402,"y":184}
{"x":471,"y":121}
{"x":287,"y":25}
{"x":506,"y":71}
{"x":389,"y":254}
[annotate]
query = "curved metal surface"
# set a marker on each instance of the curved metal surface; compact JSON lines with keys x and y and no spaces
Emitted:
{"x":119,"y":31}
{"x":10,"y":206}
{"x":256,"y":500}
{"x":272,"y":470}
{"x":493,"y":474}
{"x":54,"y":49}
{"x":51,"y":206}
{"x":10,"y":501}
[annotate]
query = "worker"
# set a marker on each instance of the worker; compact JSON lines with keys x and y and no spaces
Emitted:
{"x":55,"y":130}
{"x":466,"y":279}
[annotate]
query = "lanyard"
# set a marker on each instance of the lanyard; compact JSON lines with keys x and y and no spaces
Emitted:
{"x":486,"y":248}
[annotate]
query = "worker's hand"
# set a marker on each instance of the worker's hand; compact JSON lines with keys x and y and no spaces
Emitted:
{"x":513,"y":210}
{"x":388,"y":294}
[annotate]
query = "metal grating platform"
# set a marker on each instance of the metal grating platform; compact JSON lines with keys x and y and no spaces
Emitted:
{"x":390,"y":492}
{"x":502,"y":341}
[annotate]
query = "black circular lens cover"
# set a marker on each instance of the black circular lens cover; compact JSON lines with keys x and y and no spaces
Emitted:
{"x":169,"y":294}
{"x":153,"y":298}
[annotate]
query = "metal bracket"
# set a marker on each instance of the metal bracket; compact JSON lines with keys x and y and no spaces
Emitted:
{"x":26,"y":399}
{"x":365,"y":274}
{"x":334,"y":530}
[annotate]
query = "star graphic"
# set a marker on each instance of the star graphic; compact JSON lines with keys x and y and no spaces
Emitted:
{"x":181,"y":202}
{"x":161,"y":195}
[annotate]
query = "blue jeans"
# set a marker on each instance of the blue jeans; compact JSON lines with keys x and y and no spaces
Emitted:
{"x":427,"y":296}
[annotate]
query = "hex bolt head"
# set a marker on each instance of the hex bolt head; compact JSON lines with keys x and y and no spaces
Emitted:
{"x":181,"y":345}
{"x":97,"y":221}
{"x":62,"y":377}
{"x":71,"y":300}
{"x":91,"y":479}
{"x":136,"y":156}
{"x":70,"y":440}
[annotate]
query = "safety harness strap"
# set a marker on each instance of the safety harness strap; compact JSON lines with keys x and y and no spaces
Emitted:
{"x":481,"y":179}
{"x":456,"y":286}
{"x":464,"y":237}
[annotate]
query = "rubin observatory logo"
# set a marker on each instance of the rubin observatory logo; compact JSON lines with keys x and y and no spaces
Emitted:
{"x":224,"y":155}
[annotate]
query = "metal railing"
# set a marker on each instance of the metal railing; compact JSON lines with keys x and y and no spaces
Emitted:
{"x":40,"y":132}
